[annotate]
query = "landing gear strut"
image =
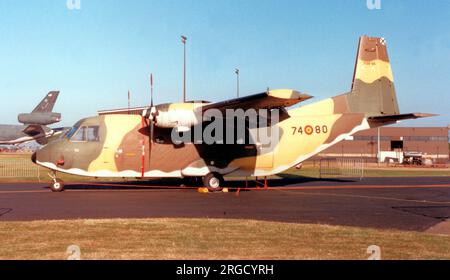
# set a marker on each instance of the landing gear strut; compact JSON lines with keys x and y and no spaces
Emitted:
{"x":57,"y":184}
{"x":214,"y":182}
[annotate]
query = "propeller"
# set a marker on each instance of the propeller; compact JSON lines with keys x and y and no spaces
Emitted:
{"x":152,"y":110}
{"x":150,"y":115}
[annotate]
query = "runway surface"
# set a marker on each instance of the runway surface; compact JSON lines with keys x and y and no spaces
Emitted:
{"x":396,"y":203}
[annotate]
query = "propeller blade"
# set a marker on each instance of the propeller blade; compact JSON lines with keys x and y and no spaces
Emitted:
{"x":151,"y":120}
{"x":152,"y":130}
{"x":151,"y":84}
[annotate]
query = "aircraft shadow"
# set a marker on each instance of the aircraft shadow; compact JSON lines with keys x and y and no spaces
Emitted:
{"x":166,"y":184}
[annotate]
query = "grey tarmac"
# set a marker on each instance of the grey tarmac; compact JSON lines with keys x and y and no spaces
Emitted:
{"x":414,"y":204}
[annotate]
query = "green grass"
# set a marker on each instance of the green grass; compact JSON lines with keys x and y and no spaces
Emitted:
{"x":210,"y":239}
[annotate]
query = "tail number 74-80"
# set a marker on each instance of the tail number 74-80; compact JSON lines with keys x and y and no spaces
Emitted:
{"x":310,"y":130}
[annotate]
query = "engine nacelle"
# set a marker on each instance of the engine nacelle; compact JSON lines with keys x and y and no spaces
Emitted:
{"x":178,"y":119}
{"x":39,"y":118}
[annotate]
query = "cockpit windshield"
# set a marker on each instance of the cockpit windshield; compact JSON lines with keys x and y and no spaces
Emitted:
{"x":80,"y":133}
{"x":72,"y":131}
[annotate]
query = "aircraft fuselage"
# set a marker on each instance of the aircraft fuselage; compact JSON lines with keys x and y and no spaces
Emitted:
{"x":120,"y":147}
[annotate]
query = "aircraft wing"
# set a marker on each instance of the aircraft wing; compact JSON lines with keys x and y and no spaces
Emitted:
{"x":267,"y":100}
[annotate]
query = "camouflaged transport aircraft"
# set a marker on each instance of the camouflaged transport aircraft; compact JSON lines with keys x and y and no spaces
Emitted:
{"x":117,"y":144}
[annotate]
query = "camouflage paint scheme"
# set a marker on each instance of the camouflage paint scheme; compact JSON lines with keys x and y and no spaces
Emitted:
{"x":124,"y":149}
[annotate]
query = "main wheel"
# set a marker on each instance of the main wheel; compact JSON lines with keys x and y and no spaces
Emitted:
{"x":57,"y":186}
{"x":214,"y":182}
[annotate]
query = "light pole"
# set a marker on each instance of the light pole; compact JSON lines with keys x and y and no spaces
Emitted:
{"x":237,"y":77}
{"x":183,"y":40}
{"x":379,"y":146}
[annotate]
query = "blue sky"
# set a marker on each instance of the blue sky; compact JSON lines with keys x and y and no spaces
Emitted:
{"x":96,"y":54}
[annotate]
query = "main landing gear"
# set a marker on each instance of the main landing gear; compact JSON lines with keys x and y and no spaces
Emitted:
{"x":57,"y":184}
{"x":214,"y":182}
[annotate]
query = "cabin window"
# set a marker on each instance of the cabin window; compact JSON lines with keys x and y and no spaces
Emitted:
{"x":86,"y":134}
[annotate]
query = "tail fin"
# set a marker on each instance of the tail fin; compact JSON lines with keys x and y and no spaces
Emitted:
{"x":373,"y":91}
{"x":47,"y":103}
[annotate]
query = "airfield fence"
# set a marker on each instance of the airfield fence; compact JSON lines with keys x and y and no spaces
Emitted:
{"x":342,"y":167}
{"x":12,"y":167}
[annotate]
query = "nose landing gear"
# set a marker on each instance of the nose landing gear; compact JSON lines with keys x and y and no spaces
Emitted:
{"x":57,"y":184}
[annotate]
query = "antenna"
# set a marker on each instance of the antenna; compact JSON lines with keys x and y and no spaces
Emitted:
{"x":237,"y":79}
{"x":183,"y":40}
{"x":129,"y":102}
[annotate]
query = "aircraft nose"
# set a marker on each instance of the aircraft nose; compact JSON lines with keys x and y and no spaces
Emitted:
{"x":41,"y":155}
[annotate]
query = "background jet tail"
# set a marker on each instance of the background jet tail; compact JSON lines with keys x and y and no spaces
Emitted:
{"x":47,"y":103}
{"x":373,"y":91}
{"x":41,"y":116}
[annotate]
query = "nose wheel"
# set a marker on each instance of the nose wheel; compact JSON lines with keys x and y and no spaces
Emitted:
{"x":57,"y":184}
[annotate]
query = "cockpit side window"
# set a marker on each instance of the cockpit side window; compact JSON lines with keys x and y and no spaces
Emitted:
{"x":92,"y":134}
{"x":86,"y":134}
{"x":80,"y":135}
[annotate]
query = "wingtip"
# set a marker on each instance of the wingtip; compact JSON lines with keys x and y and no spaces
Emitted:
{"x":306,"y":96}
{"x":425,"y":115}
{"x":289,"y":94}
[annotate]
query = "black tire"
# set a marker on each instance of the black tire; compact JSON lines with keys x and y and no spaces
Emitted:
{"x":57,"y":186}
{"x":214,"y":182}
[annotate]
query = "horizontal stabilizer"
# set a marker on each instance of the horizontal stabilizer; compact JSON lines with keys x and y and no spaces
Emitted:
{"x":395,"y":118}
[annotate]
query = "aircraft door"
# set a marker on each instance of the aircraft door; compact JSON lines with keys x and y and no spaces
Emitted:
{"x":132,"y":153}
